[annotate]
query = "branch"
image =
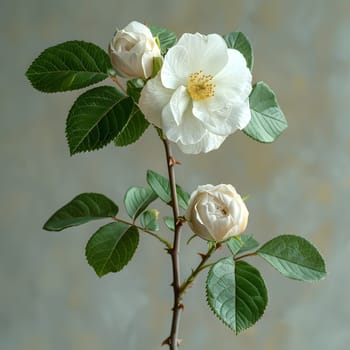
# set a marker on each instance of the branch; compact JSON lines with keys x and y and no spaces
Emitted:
{"x":173,"y":340}
{"x":201,"y":266}
{"x":161,"y":239}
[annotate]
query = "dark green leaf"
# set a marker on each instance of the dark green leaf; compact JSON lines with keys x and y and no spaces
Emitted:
{"x":134,"y":88}
{"x":81,"y":209}
{"x":111,"y":247}
{"x":96,"y":118}
{"x":161,"y":187}
{"x":238,"y":41}
{"x":137,"y":199}
{"x":241,"y":244}
{"x":133,"y":129}
{"x":149,"y":220}
{"x":169,"y":222}
{"x":294,"y":257}
{"x":166,"y":38}
{"x":236,"y":293}
{"x":69,"y":66}
{"x":268,"y":121}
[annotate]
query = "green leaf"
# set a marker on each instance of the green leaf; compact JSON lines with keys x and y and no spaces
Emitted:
{"x":238,"y":41}
{"x":133,"y":128}
{"x":236,"y":293}
{"x":268,"y":121}
{"x":96,"y":118}
{"x":169,"y":222}
{"x":137,"y":199}
{"x":83,"y":208}
{"x":134,"y":88}
{"x":241,"y":244}
{"x":149,"y":220}
{"x":111,"y":247}
{"x":69,"y":66}
{"x":166,"y":38}
{"x":294,"y":257}
{"x":161,"y":187}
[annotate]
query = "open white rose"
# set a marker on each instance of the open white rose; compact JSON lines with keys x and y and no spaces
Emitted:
{"x":132,"y":51}
{"x":200,"y":96}
{"x":216,"y":213}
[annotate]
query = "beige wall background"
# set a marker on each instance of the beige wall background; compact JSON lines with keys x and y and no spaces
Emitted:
{"x":51,"y":299}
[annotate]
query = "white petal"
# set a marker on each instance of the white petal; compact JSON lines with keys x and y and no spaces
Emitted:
{"x":208,"y":143}
{"x":179,"y":103}
{"x":175,"y":70}
{"x":154,"y":96}
{"x":216,"y":121}
{"x":206,"y":52}
{"x":235,"y":80}
{"x":190,"y":130}
{"x":137,"y":27}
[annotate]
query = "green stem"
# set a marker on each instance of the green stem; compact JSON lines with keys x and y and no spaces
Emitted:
{"x":161,"y":239}
{"x":201,"y":266}
{"x":245,"y":256}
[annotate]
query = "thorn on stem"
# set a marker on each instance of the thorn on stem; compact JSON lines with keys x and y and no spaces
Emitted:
{"x":173,"y":161}
{"x":181,"y":306}
{"x":218,"y":246}
{"x":166,"y":341}
{"x":202,"y":255}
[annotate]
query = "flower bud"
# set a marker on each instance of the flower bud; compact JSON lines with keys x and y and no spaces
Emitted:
{"x":132,"y":51}
{"x":216,"y":213}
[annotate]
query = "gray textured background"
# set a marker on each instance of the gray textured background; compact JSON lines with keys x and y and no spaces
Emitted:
{"x":51,"y":299}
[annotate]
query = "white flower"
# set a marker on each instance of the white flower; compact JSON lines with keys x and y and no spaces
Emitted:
{"x":216,"y":213}
{"x":200,"y":96}
{"x":132,"y":51}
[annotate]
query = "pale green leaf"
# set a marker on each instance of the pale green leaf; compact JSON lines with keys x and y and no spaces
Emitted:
{"x":236,"y":293}
{"x":294,"y":257}
{"x":149,"y":220}
{"x":161,"y":187}
{"x":166,"y":38}
{"x":137,"y":199}
{"x":238,"y":41}
{"x":268,"y":121}
{"x":169,"y":222}
{"x":241,"y":244}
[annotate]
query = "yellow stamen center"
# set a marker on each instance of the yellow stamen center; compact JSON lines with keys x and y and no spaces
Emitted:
{"x":200,"y":86}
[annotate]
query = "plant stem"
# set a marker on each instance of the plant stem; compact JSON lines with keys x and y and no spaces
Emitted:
{"x":161,"y":239}
{"x":201,"y":266}
{"x":245,"y":256}
{"x":121,"y":87}
{"x":173,"y":340}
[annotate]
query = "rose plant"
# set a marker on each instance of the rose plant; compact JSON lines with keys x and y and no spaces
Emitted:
{"x":195,"y":92}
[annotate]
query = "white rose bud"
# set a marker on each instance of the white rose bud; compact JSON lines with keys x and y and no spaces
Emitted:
{"x":216,"y":213}
{"x":132,"y":51}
